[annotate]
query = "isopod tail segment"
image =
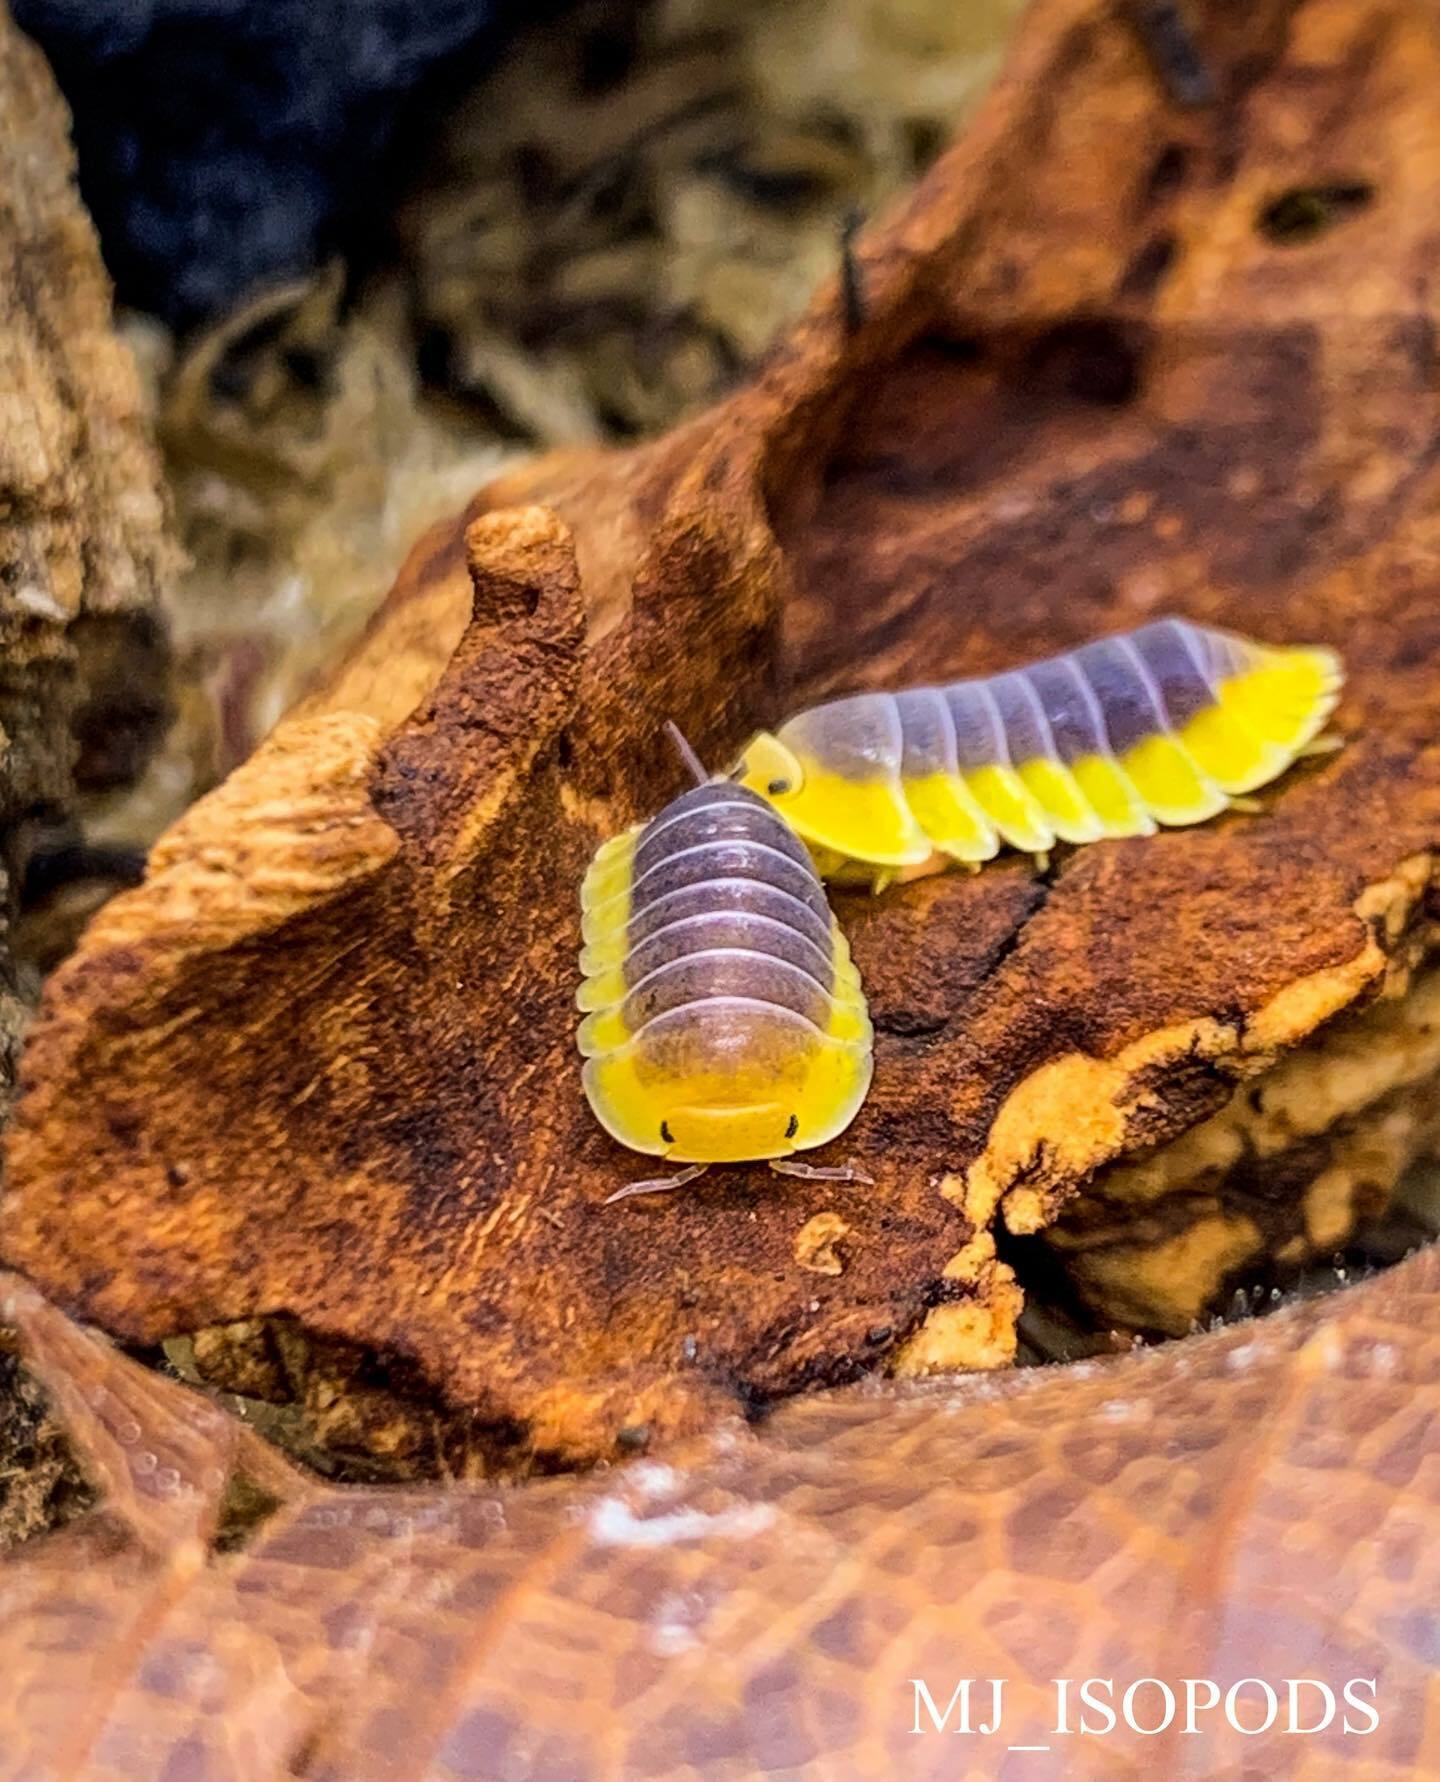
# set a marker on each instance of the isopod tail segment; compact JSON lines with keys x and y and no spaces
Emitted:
{"x":723,"y":1016}
{"x":1168,"y":726}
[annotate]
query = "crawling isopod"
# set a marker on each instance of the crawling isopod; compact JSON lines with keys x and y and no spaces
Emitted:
{"x":725,"y":1019}
{"x":1170,"y":724}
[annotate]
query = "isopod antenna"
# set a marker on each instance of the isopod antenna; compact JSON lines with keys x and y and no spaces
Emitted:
{"x":852,"y":278}
{"x":687,"y":754}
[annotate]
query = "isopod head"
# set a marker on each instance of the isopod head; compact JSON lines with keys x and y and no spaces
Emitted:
{"x":852,"y":809}
{"x":852,"y":806}
{"x":729,"y":1084}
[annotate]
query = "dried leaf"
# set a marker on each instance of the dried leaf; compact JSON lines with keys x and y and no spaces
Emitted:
{"x":1257,"y":1503}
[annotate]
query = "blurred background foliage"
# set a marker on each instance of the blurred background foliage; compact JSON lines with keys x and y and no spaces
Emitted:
{"x":357,"y":285}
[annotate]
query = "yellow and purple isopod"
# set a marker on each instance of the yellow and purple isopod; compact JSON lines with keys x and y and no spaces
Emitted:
{"x":725,"y":1021}
{"x":1168,"y":725}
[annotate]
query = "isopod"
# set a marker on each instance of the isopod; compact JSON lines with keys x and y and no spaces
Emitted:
{"x":1168,"y":725}
{"x":725,"y":1020}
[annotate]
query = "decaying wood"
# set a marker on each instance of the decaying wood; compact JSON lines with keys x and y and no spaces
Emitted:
{"x":82,"y":552}
{"x":1282,"y":1173}
{"x":1258,"y":1503}
{"x":82,"y":541}
{"x":321,"y":1063}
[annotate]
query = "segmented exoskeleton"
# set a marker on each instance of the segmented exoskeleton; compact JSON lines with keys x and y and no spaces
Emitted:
{"x":726,"y":1021}
{"x":1168,"y":725}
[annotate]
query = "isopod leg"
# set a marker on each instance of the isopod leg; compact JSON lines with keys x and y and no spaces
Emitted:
{"x":1327,"y":743}
{"x":820,"y":1172}
{"x":660,"y":1185}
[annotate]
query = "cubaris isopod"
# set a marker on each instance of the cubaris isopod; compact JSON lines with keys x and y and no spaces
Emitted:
{"x":1168,"y":725}
{"x":725,"y":1021}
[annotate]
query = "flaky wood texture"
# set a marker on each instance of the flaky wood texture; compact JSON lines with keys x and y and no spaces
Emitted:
{"x":80,"y":509}
{"x":322,"y":1062}
{"x":1257,"y":1503}
{"x":82,"y":541}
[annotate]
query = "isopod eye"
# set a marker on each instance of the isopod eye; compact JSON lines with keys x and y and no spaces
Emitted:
{"x":793,"y":1127}
{"x":778,"y":787}
{"x":666,"y":1134}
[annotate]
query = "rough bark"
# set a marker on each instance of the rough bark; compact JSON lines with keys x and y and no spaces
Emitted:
{"x":321,"y":1063}
{"x":1281,"y":1175}
{"x":82,"y":538}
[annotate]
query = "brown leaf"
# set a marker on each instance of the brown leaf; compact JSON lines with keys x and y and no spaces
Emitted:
{"x":1256,"y":1503}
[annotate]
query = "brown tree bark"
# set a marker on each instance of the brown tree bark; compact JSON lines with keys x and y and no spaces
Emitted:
{"x":83,"y":552}
{"x":83,"y":546}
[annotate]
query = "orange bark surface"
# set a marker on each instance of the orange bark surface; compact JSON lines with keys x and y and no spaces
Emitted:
{"x":1117,"y":357}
